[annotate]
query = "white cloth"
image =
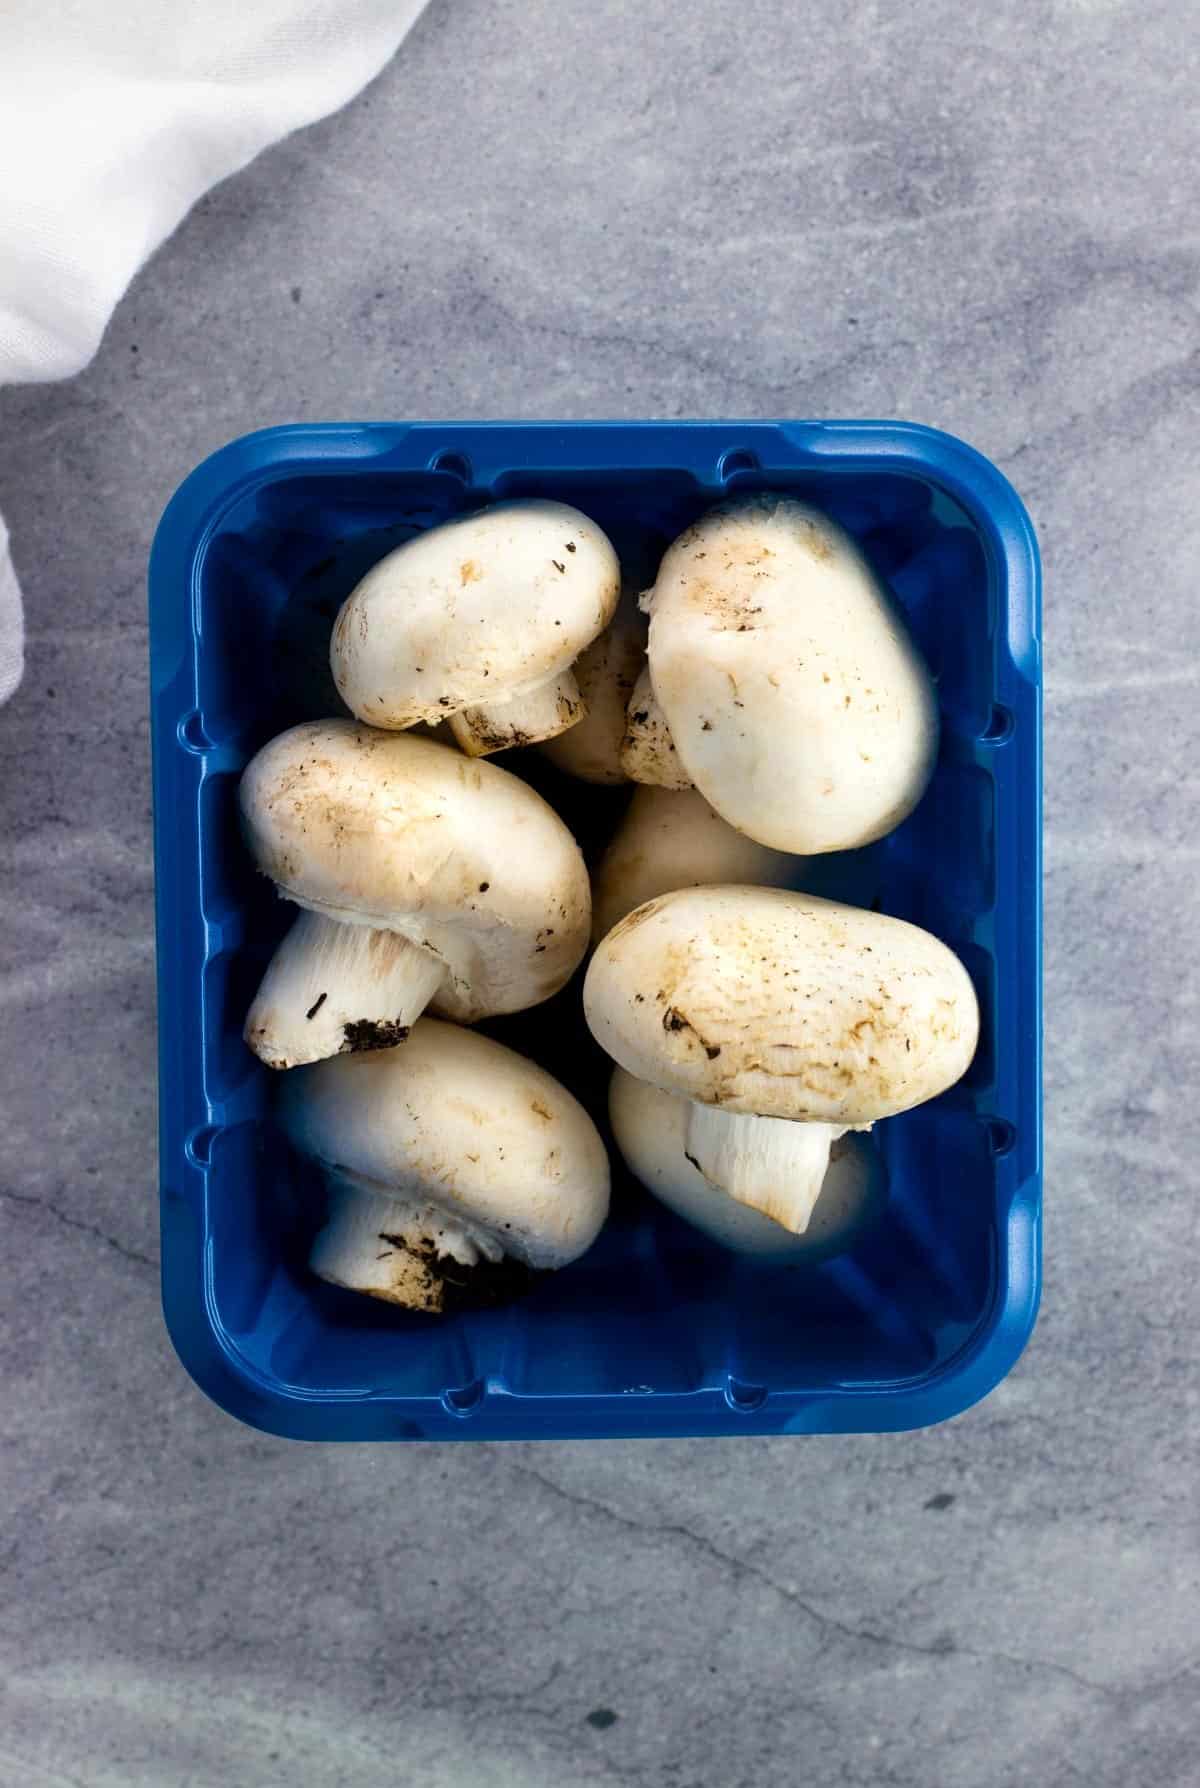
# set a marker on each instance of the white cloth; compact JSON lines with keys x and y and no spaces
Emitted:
{"x":115,"y":116}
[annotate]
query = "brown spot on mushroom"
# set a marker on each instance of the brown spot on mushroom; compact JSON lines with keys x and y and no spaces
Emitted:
{"x":819,"y":543}
{"x":439,"y":1284}
{"x":470,"y":571}
{"x":674,"y":1021}
{"x":632,"y":920}
{"x":385,"y":946}
{"x":542,"y":1111}
{"x":371,"y":1033}
{"x":570,"y":547}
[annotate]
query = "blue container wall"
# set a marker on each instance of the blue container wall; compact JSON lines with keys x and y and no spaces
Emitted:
{"x":655,"y":1331}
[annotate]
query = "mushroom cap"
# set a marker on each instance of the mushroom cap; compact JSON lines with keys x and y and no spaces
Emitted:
{"x":796,"y":700}
{"x":462,"y":1122}
{"x":409,"y":836}
{"x":479,"y":610}
{"x":782,"y":1004}
{"x":650,"y":1129}
{"x":672,"y":838}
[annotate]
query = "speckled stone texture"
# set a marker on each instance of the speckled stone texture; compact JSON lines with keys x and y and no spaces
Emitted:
{"x":979,"y":217}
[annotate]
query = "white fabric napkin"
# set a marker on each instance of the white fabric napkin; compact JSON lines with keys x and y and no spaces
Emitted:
{"x":115,"y":116}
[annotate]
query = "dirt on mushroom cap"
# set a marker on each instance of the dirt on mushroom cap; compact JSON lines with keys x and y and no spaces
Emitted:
{"x":404,"y":834}
{"x":482,"y":608}
{"x":795,"y":699}
{"x":766,"y":1001}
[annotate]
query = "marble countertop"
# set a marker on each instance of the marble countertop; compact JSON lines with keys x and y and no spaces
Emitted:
{"x":983,"y":219}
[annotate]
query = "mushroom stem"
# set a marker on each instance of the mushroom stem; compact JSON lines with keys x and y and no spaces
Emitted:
{"x":542,"y":712}
{"x":333,"y":989}
{"x":774,"y":1165}
{"x":606,"y":672}
{"x":648,"y":751}
{"x":402,"y":1250}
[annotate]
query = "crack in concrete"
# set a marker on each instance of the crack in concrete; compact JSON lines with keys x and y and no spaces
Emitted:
{"x":42,"y":1204}
{"x":830,"y":1624}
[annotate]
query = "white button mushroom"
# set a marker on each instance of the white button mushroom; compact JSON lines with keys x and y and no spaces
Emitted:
{"x":455,"y":1169}
{"x":425,"y":879}
{"x":606,"y":672}
{"x":479,"y":622}
{"x":672,"y":839}
{"x":763,"y":1007}
{"x":793,"y":695}
{"x":650,"y":1129}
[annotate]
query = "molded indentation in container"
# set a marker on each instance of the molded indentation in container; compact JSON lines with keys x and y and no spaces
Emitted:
{"x":744,"y":1397}
{"x":999,"y":726}
{"x":192,"y":733}
{"x":1001,"y":1135}
{"x":199,"y":1144}
{"x":736,"y":461}
{"x":454,"y":465}
{"x":465,"y":1399}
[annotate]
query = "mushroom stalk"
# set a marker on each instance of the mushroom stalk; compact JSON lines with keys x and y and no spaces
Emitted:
{"x":606,"y":672}
{"x":774,"y":1165}
{"x":401,"y":1250}
{"x":542,"y":712}
{"x":648,"y":751}
{"x":333,"y":989}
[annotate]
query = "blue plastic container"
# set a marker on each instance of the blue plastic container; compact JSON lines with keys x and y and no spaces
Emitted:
{"x":655,"y":1331}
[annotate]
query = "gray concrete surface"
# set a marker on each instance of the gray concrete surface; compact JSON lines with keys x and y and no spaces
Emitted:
{"x":981,"y":217}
